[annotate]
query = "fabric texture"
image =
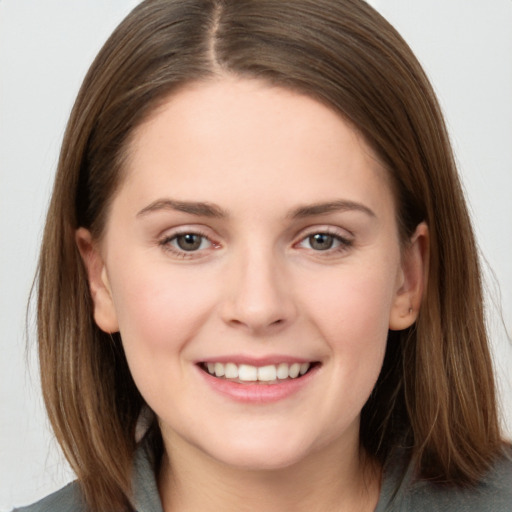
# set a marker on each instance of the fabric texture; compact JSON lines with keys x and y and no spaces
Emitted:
{"x":399,"y":493}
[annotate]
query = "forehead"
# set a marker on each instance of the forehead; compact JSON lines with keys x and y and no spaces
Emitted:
{"x":232,"y":135}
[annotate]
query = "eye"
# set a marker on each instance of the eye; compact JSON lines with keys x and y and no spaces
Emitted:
{"x":186,"y":244}
{"x":190,"y":242}
{"x":324,"y":241}
{"x":321,"y":241}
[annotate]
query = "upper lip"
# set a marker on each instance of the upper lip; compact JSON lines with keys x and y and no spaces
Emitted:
{"x":255,"y":361}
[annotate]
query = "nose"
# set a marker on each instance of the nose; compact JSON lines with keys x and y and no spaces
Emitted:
{"x":259,"y":296}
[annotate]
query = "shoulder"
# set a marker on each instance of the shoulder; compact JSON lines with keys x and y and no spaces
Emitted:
{"x":67,"y":499}
{"x":492,"y":494}
{"x":145,"y":489}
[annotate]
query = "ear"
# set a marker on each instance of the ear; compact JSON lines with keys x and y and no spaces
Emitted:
{"x":411,"y":281}
{"x":104,"y":311}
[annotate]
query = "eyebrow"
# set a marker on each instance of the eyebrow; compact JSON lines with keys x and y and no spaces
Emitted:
{"x":204,"y":209}
{"x":194,"y":208}
{"x":330,"y":207}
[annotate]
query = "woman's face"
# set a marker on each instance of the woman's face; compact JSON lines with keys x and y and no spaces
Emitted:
{"x":252,"y":265}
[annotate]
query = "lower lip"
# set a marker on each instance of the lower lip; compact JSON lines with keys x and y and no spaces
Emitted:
{"x":254,"y":392}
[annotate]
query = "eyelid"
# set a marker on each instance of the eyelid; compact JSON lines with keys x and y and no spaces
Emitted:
{"x":169,"y":235}
{"x":339,"y":233}
{"x":336,"y":231}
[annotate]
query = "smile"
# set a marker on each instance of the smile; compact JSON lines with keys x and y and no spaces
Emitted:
{"x":272,"y":373}
{"x":258,"y":382}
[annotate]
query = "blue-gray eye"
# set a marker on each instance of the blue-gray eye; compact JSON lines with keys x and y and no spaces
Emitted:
{"x":189,"y":241}
{"x":321,"y":241}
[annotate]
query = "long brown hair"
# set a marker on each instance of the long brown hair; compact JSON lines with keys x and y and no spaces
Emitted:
{"x":436,"y":390}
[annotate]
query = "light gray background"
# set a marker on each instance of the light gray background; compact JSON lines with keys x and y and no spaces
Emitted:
{"x":45,"y":49}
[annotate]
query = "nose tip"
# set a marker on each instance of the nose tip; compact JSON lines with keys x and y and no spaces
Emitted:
{"x":259,"y":299}
{"x":255,"y":321}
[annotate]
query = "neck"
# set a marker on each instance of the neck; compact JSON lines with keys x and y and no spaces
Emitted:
{"x":333,"y":479}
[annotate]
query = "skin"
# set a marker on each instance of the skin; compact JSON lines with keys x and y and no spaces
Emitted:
{"x":256,"y":287}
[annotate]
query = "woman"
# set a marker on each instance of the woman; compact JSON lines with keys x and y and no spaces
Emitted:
{"x":250,"y":280}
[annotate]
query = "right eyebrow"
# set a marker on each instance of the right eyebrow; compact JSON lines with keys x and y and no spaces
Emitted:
{"x":201,"y":209}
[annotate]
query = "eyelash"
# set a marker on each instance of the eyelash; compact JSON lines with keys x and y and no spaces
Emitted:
{"x":166,"y":242}
{"x":344,"y":243}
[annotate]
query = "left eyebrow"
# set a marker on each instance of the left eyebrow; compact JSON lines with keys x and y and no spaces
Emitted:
{"x":329,"y":207}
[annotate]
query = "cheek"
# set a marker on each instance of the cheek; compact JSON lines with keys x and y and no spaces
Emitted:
{"x":353,"y":320}
{"x":159,"y":310}
{"x":353,"y":308}
{"x":351,"y":312}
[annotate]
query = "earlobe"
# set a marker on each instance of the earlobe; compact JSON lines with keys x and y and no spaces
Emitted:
{"x":413,"y":280}
{"x":99,"y":286}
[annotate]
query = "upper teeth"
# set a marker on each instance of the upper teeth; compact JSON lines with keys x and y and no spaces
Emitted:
{"x":248,"y":373}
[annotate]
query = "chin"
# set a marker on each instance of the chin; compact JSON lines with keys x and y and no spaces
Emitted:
{"x":263,"y":455}
{"x":247,"y":460}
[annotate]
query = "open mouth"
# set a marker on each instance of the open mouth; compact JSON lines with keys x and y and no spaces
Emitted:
{"x":268,"y":374}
